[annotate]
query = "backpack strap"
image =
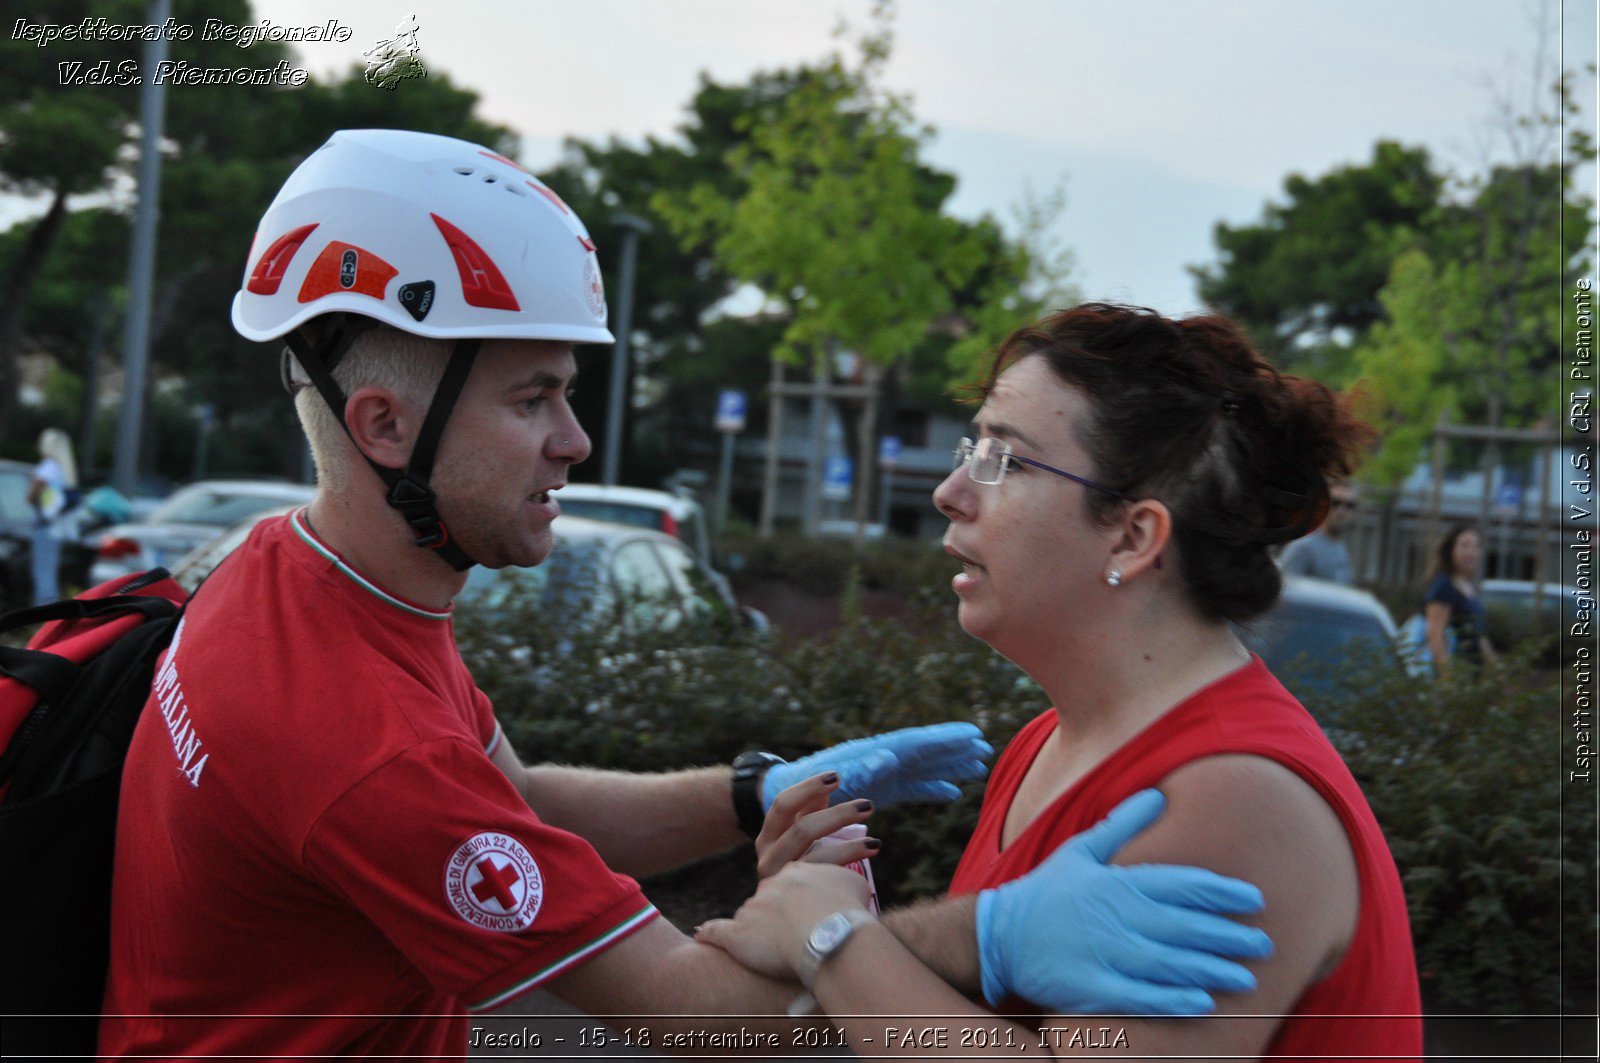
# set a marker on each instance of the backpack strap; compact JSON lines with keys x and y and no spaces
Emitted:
{"x":51,"y":675}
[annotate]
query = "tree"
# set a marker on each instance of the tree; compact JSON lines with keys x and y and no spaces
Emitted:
{"x":1304,"y":280}
{"x":839,"y":224}
{"x":227,"y":149}
{"x":1471,"y":329}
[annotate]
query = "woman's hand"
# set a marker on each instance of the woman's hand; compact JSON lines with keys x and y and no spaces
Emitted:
{"x":768,"y":933}
{"x":799,"y":816}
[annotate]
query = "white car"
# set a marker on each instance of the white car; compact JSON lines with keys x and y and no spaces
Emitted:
{"x":191,"y":517}
{"x":643,"y":507}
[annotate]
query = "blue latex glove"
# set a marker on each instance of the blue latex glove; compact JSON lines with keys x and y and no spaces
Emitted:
{"x":1077,"y":935}
{"x":912,"y":764}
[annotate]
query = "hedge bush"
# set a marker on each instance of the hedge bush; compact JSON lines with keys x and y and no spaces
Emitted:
{"x":1463,"y":776}
{"x":1495,"y":847}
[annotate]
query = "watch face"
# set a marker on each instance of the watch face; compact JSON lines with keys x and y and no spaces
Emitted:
{"x":829,"y":934}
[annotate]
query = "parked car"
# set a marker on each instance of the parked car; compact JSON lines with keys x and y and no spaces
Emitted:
{"x":191,"y":517}
{"x":1317,"y":627}
{"x":603,"y":573}
{"x":664,"y":511}
{"x":597,"y":572}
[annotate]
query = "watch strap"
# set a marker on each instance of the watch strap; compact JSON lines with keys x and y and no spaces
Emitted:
{"x":749,"y":769}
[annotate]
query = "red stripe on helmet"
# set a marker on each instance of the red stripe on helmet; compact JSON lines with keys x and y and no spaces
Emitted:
{"x":482,"y":283}
{"x":548,"y":194}
{"x":345,"y":267}
{"x":508,"y":162}
{"x":588,"y":244}
{"x":271,"y":266}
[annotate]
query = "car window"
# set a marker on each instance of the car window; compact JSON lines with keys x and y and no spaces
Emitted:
{"x":207,"y":506}
{"x":615,"y":512}
{"x":14,"y":496}
{"x":692,"y":530}
{"x":698,"y":594}
{"x":1320,"y":636}
{"x":645,"y":592}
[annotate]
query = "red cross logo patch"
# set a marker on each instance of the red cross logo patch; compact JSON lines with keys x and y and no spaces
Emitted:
{"x":492,"y":882}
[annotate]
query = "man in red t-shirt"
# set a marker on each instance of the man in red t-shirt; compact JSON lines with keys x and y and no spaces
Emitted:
{"x":325,"y":845}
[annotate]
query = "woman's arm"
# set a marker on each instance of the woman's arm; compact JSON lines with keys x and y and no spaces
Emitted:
{"x":1276,"y":832}
{"x":1438,"y":617}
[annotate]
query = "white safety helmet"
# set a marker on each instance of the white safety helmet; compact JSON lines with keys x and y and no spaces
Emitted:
{"x":432,"y":235}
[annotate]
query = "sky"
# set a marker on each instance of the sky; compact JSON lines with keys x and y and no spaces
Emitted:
{"x":1161,"y":117}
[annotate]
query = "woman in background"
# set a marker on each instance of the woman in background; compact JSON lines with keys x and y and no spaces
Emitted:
{"x":55,"y":482}
{"x":1451,"y":607}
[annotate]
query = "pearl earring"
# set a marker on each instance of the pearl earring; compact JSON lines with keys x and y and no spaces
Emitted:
{"x":1114,"y":578}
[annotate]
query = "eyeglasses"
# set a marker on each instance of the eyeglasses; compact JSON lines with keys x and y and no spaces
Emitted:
{"x":988,"y":459}
{"x":1344,"y":503}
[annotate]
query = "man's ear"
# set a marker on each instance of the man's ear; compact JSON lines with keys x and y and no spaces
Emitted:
{"x":383,"y":427}
{"x":1145,"y":534}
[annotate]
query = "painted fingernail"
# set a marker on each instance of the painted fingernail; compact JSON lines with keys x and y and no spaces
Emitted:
{"x":873,"y":845}
{"x":863,"y":806}
{"x":830,"y":778}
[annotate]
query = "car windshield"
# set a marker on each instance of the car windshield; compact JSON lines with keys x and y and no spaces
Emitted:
{"x":615,"y":512}
{"x":558,"y":588}
{"x":209,"y":506}
{"x":1313,"y":636}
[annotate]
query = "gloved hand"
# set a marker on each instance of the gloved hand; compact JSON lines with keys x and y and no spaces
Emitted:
{"x":912,"y":764}
{"x":1077,"y":935}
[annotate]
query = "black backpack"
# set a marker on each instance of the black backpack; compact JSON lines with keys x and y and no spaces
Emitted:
{"x":68,"y":705}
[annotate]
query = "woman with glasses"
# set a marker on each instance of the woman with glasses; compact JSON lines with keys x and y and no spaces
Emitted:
{"x":1113,"y":513}
{"x":1451,"y":607}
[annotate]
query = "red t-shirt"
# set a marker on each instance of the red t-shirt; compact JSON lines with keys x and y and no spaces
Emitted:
{"x":1249,"y":712}
{"x":315,"y":854}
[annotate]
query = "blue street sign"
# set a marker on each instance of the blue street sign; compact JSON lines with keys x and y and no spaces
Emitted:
{"x":888,"y":452}
{"x":730,"y":411}
{"x":1508,"y":499}
{"x":837,"y":475}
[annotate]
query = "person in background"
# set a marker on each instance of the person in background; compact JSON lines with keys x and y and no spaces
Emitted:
{"x":1325,"y":553}
{"x":1451,"y":606}
{"x":55,"y":482}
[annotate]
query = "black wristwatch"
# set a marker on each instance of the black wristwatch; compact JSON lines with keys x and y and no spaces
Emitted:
{"x":749,"y":769}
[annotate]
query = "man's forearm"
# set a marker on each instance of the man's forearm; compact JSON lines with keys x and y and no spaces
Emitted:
{"x":942,"y":934}
{"x":639,"y":824}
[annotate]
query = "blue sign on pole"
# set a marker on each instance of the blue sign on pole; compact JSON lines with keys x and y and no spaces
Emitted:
{"x":730,"y":411}
{"x":837,"y":475}
{"x":888,"y":452}
{"x":1508,"y":499}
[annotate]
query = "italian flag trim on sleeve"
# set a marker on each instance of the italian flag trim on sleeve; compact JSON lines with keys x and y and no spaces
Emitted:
{"x":571,"y":959}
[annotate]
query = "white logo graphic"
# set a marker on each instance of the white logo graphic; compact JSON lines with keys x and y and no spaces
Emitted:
{"x":492,"y":882}
{"x":596,"y":293}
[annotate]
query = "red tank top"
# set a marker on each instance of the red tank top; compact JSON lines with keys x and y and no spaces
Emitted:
{"x":1368,"y":1006}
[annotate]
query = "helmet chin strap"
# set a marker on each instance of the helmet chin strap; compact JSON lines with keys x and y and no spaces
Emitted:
{"x":409,"y":492}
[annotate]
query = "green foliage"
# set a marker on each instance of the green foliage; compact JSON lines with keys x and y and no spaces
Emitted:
{"x":1471,"y":331}
{"x":1304,"y":279}
{"x":1496,"y":850}
{"x":835,"y":220}
{"x":829,"y":565}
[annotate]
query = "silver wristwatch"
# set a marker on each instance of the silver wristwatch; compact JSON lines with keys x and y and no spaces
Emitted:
{"x":829,"y":936}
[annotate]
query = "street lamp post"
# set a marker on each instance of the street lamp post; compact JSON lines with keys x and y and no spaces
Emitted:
{"x":632,"y":228}
{"x":142,"y":264}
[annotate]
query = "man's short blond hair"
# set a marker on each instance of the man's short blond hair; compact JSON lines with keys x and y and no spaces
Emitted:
{"x":410,"y":366}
